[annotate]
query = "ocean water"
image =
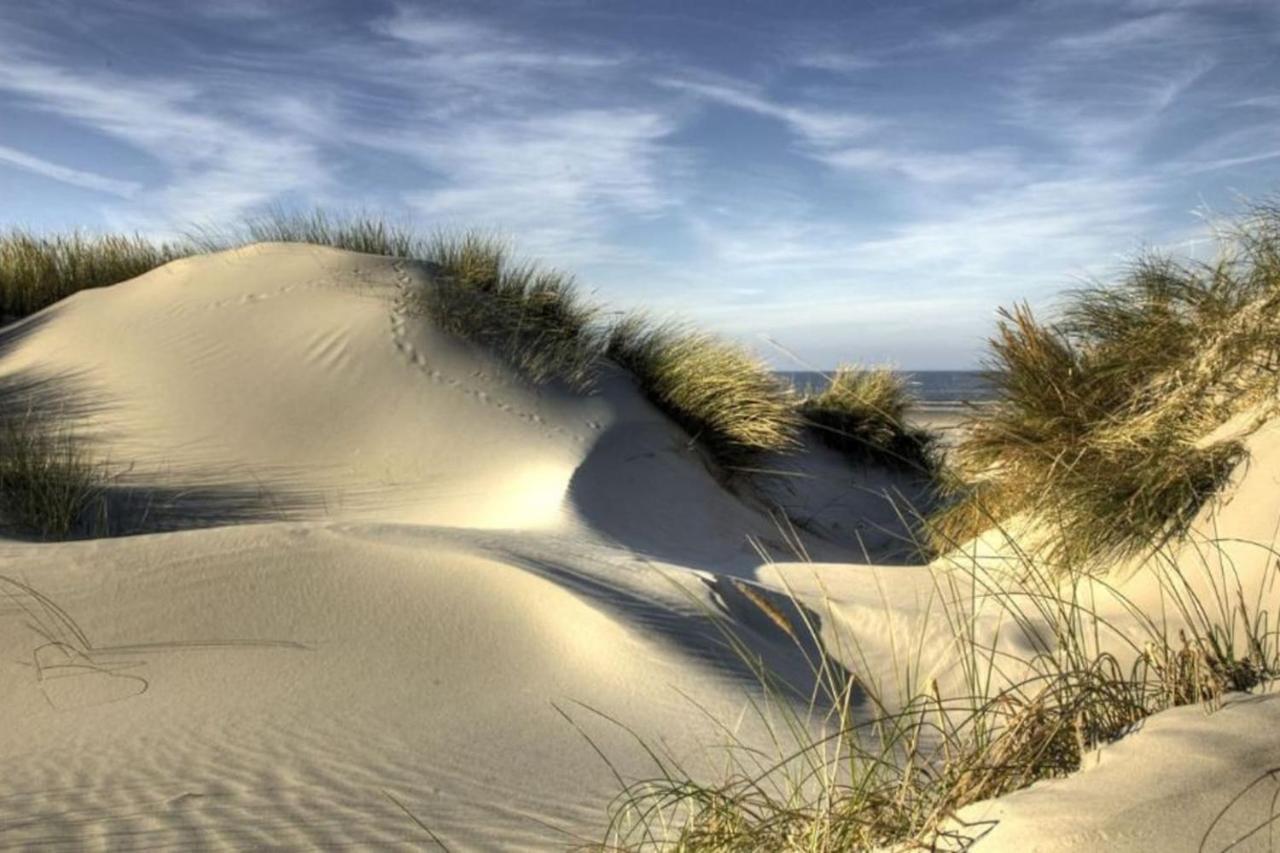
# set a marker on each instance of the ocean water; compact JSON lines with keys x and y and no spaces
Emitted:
{"x":935,"y":387}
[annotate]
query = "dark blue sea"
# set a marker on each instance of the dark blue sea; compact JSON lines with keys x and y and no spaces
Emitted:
{"x":937,"y":387}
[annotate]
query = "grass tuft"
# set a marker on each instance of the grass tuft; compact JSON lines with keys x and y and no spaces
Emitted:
{"x":863,"y":414}
{"x":868,"y":766}
{"x":531,"y":317}
{"x":49,"y":487}
{"x":39,"y":270}
{"x":1100,"y":434}
{"x":726,"y":398}
{"x":356,"y":232}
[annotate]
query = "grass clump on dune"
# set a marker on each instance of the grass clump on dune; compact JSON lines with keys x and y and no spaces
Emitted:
{"x":725,"y":397}
{"x":49,"y":487}
{"x":531,"y":317}
{"x":39,"y":270}
{"x":863,"y":412}
{"x":1100,"y":434}
{"x":859,"y":764}
{"x":365,"y":233}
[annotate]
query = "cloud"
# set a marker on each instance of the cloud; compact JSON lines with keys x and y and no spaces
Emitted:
{"x":552,"y":178}
{"x":1022,"y":241}
{"x":923,"y":289}
{"x":1107,"y":117}
{"x":1242,"y":146}
{"x":990,"y":165}
{"x":540,"y":140}
{"x":1147,"y":30}
{"x":836,"y":62}
{"x":67,"y":175}
{"x":1271,"y":102}
{"x":820,"y":127}
{"x":971,"y":36}
{"x":217,"y":165}
{"x":472,"y":55}
{"x":841,"y":140}
{"x":936,"y":162}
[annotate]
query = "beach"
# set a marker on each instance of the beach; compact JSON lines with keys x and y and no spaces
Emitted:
{"x":946,"y":419}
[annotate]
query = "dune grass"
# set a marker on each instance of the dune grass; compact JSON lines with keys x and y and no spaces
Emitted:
{"x":39,"y":270}
{"x":725,"y":397}
{"x":1100,"y":432}
{"x":533,"y":318}
{"x":870,"y":764}
{"x":863,"y":414}
{"x":49,"y":487}
{"x":353,"y":232}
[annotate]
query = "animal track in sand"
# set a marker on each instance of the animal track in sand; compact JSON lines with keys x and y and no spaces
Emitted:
{"x":399,"y":334}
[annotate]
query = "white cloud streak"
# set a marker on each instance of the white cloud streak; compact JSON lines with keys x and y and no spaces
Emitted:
{"x":65,"y":174}
{"x":820,"y":127}
{"x":534,"y":139}
{"x":961,"y":166}
{"x":217,"y":166}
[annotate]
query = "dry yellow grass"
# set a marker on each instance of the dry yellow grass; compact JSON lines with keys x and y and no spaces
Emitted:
{"x":863,"y":413}
{"x":39,"y":270}
{"x":1099,"y":432}
{"x":725,"y":397}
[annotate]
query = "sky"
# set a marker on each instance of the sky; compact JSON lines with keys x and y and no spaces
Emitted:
{"x":827,"y":182}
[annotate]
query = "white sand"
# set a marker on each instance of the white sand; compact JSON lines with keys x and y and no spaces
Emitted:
{"x":1184,"y":781}
{"x":419,"y":559}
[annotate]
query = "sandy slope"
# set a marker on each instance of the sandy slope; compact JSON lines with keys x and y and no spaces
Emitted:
{"x":1185,"y":781}
{"x":416,"y":563}
{"x":264,"y":686}
{"x":420,"y":557}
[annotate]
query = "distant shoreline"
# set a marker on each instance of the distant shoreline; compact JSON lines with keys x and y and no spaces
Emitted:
{"x":932,"y":389}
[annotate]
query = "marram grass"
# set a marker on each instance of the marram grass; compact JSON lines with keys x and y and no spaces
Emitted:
{"x":863,"y":413}
{"x":50,"y":488}
{"x":353,"y":232}
{"x":1101,"y":432}
{"x":861,"y":765}
{"x":531,"y":317}
{"x":726,"y":398}
{"x":38,"y":270}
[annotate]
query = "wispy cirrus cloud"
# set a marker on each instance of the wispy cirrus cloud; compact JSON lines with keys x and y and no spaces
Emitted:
{"x":846,"y":140}
{"x":907,"y":168}
{"x":821,"y":127}
{"x":68,"y":175}
{"x":1075,"y":95}
{"x":834,"y":61}
{"x":216,"y":166}
{"x":1145,"y":30}
{"x":551,"y":178}
{"x":537,"y":140}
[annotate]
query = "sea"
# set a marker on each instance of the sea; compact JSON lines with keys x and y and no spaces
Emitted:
{"x":940,"y":388}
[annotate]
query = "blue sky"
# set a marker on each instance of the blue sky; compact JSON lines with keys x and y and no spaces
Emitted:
{"x":841,"y":181}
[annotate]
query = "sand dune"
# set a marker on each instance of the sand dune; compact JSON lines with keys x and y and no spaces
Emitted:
{"x":438,"y":555}
{"x":383,"y":570}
